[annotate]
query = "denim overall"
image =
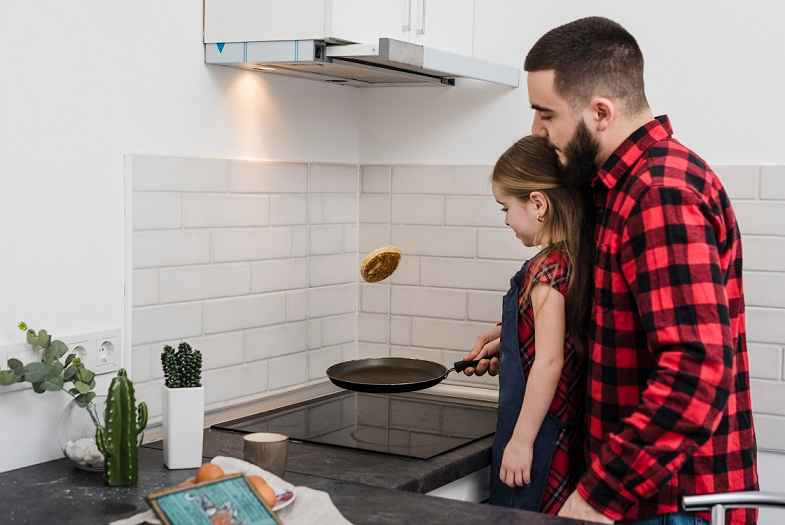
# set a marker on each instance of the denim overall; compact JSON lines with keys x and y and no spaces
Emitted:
{"x":512,"y":385}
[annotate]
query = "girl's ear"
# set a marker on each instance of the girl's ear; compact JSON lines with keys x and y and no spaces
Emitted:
{"x":540,"y":202}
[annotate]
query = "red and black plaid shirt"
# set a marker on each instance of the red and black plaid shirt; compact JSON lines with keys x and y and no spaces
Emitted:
{"x":669,"y":410}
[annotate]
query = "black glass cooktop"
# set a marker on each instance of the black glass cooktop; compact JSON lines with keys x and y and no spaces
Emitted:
{"x":411,"y":425}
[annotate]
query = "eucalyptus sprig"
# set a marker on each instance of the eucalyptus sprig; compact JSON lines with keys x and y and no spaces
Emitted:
{"x":50,"y":374}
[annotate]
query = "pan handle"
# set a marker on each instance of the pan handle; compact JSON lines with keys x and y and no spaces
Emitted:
{"x":460,"y":366}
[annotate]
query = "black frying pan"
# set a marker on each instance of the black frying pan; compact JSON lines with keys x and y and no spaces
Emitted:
{"x":391,"y":374}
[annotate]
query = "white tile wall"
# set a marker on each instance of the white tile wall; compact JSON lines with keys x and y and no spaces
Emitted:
{"x":256,"y":263}
{"x":223,"y":253}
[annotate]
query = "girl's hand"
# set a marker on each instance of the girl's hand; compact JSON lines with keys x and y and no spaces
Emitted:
{"x":516,"y":463}
{"x":486,"y":347}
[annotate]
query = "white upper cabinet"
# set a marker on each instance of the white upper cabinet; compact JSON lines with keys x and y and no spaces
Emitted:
{"x":256,"y":20}
{"x":365,"y":21}
{"x":444,"y":24}
{"x":447,"y":25}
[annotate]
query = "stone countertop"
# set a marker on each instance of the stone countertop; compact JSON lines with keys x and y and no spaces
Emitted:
{"x":358,"y":466}
{"x":56,"y":492}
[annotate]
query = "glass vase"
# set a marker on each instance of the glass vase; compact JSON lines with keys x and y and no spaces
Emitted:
{"x":76,"y":434}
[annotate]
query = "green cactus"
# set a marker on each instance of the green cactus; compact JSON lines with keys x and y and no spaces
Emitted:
{"x":119,"y":440}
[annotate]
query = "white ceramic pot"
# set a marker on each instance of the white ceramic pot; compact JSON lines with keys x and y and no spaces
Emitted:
{"x":183,"y":425}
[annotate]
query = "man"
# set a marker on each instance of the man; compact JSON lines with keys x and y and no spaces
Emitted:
{"x":669,"y":410}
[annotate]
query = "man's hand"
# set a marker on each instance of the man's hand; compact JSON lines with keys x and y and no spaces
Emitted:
{"x":576,"y":508}
{"x":486,"y":348}
{"x":516,"y":464}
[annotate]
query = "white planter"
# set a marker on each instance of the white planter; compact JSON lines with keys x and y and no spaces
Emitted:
{"x":183,"y":425}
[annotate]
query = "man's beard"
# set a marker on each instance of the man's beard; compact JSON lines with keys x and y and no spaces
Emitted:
{"x":581,"y":154}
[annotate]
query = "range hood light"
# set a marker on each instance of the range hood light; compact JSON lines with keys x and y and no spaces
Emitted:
{"x":265,"y":68}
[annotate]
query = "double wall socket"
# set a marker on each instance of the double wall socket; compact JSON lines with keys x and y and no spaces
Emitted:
{"x":100,"y":351}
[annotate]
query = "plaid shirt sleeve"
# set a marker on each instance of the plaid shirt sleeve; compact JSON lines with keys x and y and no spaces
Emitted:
{"x":670,"y":263}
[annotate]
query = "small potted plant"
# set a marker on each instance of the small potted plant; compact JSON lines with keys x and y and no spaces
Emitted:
{"x":183,"y":406}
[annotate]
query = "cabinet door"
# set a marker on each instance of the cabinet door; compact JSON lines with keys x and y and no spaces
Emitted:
{"x":444,"y":24}
{"x":504,"y":30}
{"x":254,"y":20}
{"x":366,"y":21}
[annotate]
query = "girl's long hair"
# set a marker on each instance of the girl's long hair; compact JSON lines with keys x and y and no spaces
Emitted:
{"x":532,"y":164}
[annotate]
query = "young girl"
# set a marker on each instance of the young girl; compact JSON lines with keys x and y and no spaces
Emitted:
{"x":538,"y":449}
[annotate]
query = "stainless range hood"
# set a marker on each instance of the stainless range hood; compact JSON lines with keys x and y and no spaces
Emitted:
{"x":389,"y":62}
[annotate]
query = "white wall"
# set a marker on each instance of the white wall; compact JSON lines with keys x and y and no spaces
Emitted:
{"x":716,"y":69}
{"x":88,"y":82}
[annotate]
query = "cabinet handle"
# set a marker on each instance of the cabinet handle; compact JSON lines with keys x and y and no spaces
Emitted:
{"x":407,"y":16}
{"x":421,"y":31}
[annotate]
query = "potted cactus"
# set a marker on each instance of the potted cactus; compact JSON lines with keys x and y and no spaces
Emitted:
{"x":183,"y":406}
{"x":118,"y":440}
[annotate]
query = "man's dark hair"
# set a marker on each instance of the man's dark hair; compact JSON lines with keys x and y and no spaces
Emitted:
{"x":590,"y":57}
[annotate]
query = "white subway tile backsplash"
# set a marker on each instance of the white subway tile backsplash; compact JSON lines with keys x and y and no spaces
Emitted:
{"x":320,"y":360}
{"x":769,"y":431}
{"x":250,"y":244}
{"x":757,"y":217}
{"x":248,"y":176}
{"x":145,"y":290}
{"x":339,"y":208}
{"x":764,"y":289}
{"x":766,"y":325}
{"x":437,"y":241}
{"x":474,"y":211}
{"x":169,"y":248}
{"x":333,"y":178}
{"x":375,"y":298}
{"x":150,"y":393}
{"x":465,"y":273}
{"x":141,"y":363}
{"x":350,"y":238}
{"x":288,"y":209}
{"x":773,"y":182}
{"x":338,"y":330}
{"x":225,"y":210}
{"x":204,"y":282}
{"x":428,"y":302}
{"x":374,"y":208}
{"x":408,"y":271}
{"x":373,"y":236}
{"x":368,"y":350}
{"x":279,"y":274}
{"x":224,"y":315}
{"x":327,"y":239}
{"x":401,"y":330}
{"x":453,"y":335}
{"x":219,"y":350}
{"x":288,"y":370}
{"x":151,"y":173}
{"x":375,"y":179}
{"x":160,"y":323}
{"x":297,"y":305}
{"x":238,"y":381}
{"x":449,"y":180}
{"x":485,"y":306}
{"x":765,"y":360}
{"x":349,"y":351}
{"x":427,"y":354}
{"x":299,"y":241}
{"x":332,"y":300}
{"x":153,"y":210}
{"x":272,"y":341}
{"x":501,"y":243}
{"x":417,"y":209}
{"x":373,"y":328}
{"x":314,"y":333}
{"x":764,"y":253}
{"x":767,"y":396}
{"x":333,"y":269}
{"x":740,"y":182}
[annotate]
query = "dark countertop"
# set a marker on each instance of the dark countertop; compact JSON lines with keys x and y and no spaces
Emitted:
{"x":365,"y":486}
{"x":358,"y":466}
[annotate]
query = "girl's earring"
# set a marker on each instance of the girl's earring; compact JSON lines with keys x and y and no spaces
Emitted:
{"x":539,"y":218}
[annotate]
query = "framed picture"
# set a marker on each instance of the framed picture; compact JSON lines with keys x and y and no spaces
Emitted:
{"x":230,"y":500}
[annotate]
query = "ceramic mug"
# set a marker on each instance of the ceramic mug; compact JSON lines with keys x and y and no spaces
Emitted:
{"x":266,"y":450}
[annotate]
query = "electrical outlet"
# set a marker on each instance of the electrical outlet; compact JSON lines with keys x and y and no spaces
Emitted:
{"x":107,"y":354}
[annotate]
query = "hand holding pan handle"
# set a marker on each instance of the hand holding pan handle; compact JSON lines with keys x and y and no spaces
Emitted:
{"x":460,"y":366}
